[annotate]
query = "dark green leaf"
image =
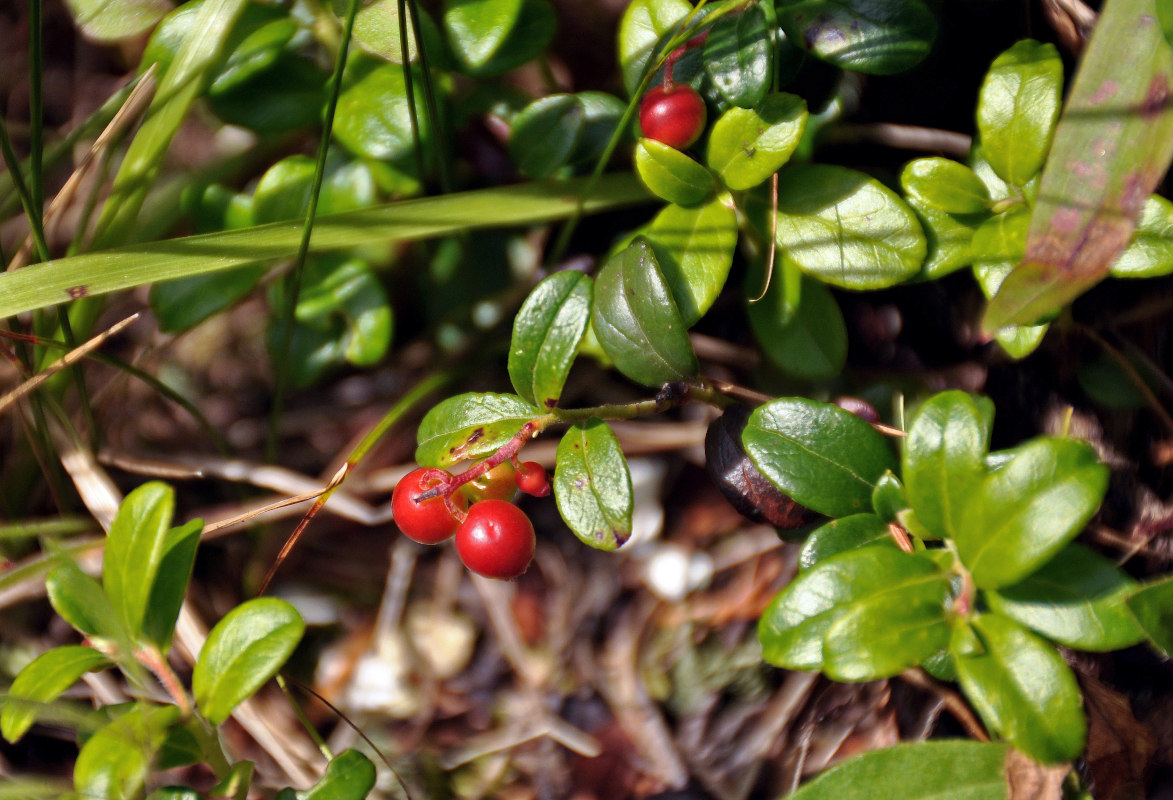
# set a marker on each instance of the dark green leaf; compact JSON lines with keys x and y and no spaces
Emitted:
{"x":1077,"y":599}
{"x":546,"y":133}
{"x":945,"y":185}
{"x":1017,"y":109}
{"x":181,"y":748}
{"x":827,"y":459}
{"x":879,"y":37}
{"x":112,"y":20}
{"x":256,"y":46}
{"x":748,"y":145}
{"x":958,"y":770}
{"x":847,"y":229}
{"x":1022,"y":688}
{"x":135,"y":547}
{"x":943,"y":459}
{"x":287,"y":95}
{"x":997,"y":247}
{"x":170,"y":584}
{"x":373,"y":118}
{"x":80,"y":601}
{"x":349,"y":776}
{"x":115,"y":762}
{"x":470,"y":425}
{"x":535,"y":27}
{"x":1020,"y":516}
{"x":672,"y":175}
{"x":636,"y":320}
{"x":546,"y":334}
{"x":41,"y":681}
{"x":242,"y":652}
{"x":1150,"y":253}
{"x":802,"y":332}
{"x":476,"y":29}
{"x":644,"y":23}
{"x":739,"y":56}
{"x":1153,"y":608}
{"x":843,"y":534}
{"x":694,"y":250}
{"x":603,"y":112}
{"x":592,"y":485}
{"x":182,"y":304}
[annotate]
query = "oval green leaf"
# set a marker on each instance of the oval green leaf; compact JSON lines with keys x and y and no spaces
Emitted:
{"x":636,"y":321}
{"x":546,"y":133}
{"x":997,"y":247}
{"x":470,"y":425}
{"x":1153,"y":609}
{"x":847,"y":229}
{"x":79,"y":600}
{"x":373,"y":117}
{"x":827,"y":459}
{"x":115,"y":762}
{"x":945,"y":185}
{"x":349,"y":776}
{"x":748,"y":145}
{"x":879,"y":37}
{"x":43,"y":680}
{"x":536,"y":25}
{"x":170,"y":584}
{"x":739,"y":56}
{"x":694,"y":249}
{"x":546,"y":335}
{"x":1150,"y":253}
{"x":134,"y":551}
{"x":947,"y":237}
{"x":476,"y":29}
{"x":1022,"y":688}
{"x":592,"y":485}
{"x":672,"y":175}
{"x":644,"y":23}
{"x":841,"y":535}
{"x":242,"y":652}
{"x":804,"y":336}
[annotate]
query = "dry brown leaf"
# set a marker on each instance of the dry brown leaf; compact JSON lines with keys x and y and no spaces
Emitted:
{"x":1027,"y":779}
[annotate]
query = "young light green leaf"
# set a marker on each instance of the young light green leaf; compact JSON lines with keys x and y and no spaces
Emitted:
{"x":958,"y":770}
{"x":1153,"y":609}
{"x":1017,"y":109}
{"x":80,"y":601}
{"x":945,"y":185}
{"x":1020,"y":516}
{"x":889,"y":499}
{"x":943,"y":459}
{"x":1022,"y":688}
{"x":636,"y":320}
{"x":997,"y":247}
{"x":841,"y":535}
{"x":672,"y":175}
{"x":694,"y":249}
{"x":134,"y":550}
{"x":827,"y":459}
{"x":1077,"y":599}
{"x":349,"y":776}
{"x":847,"y":229}
{"x":947,"y":237}
{"x":373,"y":118}
{"x":546,"y":133}
{"x":748,"y":145}
{"x":242,"y":652}
{"x":43,"y":680}
{"x":738,"y":56}
{"x":376,"y":30}
{"x":804,"y":335}
{"x":115,"y":762}
{"x":113,"y":20}
{"x":476,"y":29}
{"x":469,"y":426}
{"x":170,"y":584}
{"x":644,"y":23}
{"x":546,"y":334}
{"x":1150,"y":253}
{"x":878,"y":37}
{"x":592,"y":485}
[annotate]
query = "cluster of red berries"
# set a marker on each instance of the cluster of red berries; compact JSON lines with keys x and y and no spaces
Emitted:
{"x":494,"y":538}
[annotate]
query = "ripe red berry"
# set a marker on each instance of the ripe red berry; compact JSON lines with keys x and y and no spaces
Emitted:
{"x":430,"y":521}
{"x":496,"y":540}
{"x":531,"y":478}
{"x":496,"y":484}
{"x":674,"y":116}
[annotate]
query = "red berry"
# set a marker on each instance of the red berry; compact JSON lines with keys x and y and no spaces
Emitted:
{"x":531,"y":478}
{"x":674,"y":116}
{"x":496,"y":484}
{"x":496,"y":540}
{"x":431,"y":521}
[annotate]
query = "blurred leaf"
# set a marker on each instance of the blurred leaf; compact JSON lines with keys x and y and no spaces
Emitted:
{"x":182,"y":304}
{"x":546,"y":334}
{"x":476,"y":29}
{"x":672,"y":175}
{"x":1153,"y":607}
{"x":469,"y":426}
{"x":373,"y":118}
{"x":135,"y":548}
{"x":1113,"y":144}
{"x":289,"y":94}
{"x":546,"y":133}
{"x":376,"y":29}
{"x":592,"y":485}
{"x":739,"y":56}
{"x":643,"y":24}
{"x":349,"y":776}
{"x":243,"y":651}
{"x":841,"y":535}
{"x":801,"y":332}
{"x":748,"y":145}
{"x":115,"y":762}
{"x":170,"y":584}
{"x":112,"y":20}
{"x":1150,"y":253}
{"x":43,"y":680}
{"x":694,"y":249}
{"x":603,"y":112}
{"x":878,"y":37}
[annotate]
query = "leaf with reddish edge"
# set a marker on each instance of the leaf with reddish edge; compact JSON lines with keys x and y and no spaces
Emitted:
{"x":1113,"y":144}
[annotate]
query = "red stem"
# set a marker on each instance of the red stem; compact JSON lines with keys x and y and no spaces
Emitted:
{"x":507,"y":452}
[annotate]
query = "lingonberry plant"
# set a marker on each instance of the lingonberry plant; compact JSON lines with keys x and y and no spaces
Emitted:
{"x":496,"y":540}
{"x":672,"y":115}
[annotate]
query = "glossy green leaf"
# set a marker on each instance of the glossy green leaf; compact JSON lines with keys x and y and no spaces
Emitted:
{"x":826,"y":458}
{"x":242,"y":652}
{"x":1150,"y":253}
{"x":373,"y":117}
{"x":603,"y":113}
{"x":738,"y":56}
{"x":43,"y":680}
{"x":546,"y":133}
{"x":546,"y":334}
{"x":592,"y":485}
{"x":469,"y":426}
{"x":847,"y":229}
{"x":841,"y":535}
{"x":943,"y":459}
{"x":799,"y":626}
{"x":672,"y":175}
{"x":535,"y":28}
{"x":255,"y":46}
{"x":804,"y":335}
{"x":115,"y":762}
{"x":1113,"y":144}
{"x":636,"y":320}
{"x":349,"y":776}
{"x":1153,"y":609}
{"x":135,"y":547}
{"x":287,"y":95}
{"x":1020,"y":516}
{"x":112,"y":20}
{"x":888,"y":498}
{"x":476,"y":29}
{"x":1077,"y":599}
{"x":1022,"y":688}
{"x":79,"y":600}
{"x":283,"y":192}
{"x":1017,"y":109}
{"x":170,"y":585}
{"x":947,"y":237}
{"x":748,"y":145}
{"x":997,"y":247}
{"x":376,"y":30}
{"x":945,"y":185}
{"x":879,"y":37}
{"x":958,"y":770}
{"x":643,"y":24}
{"x":694,"y":250}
